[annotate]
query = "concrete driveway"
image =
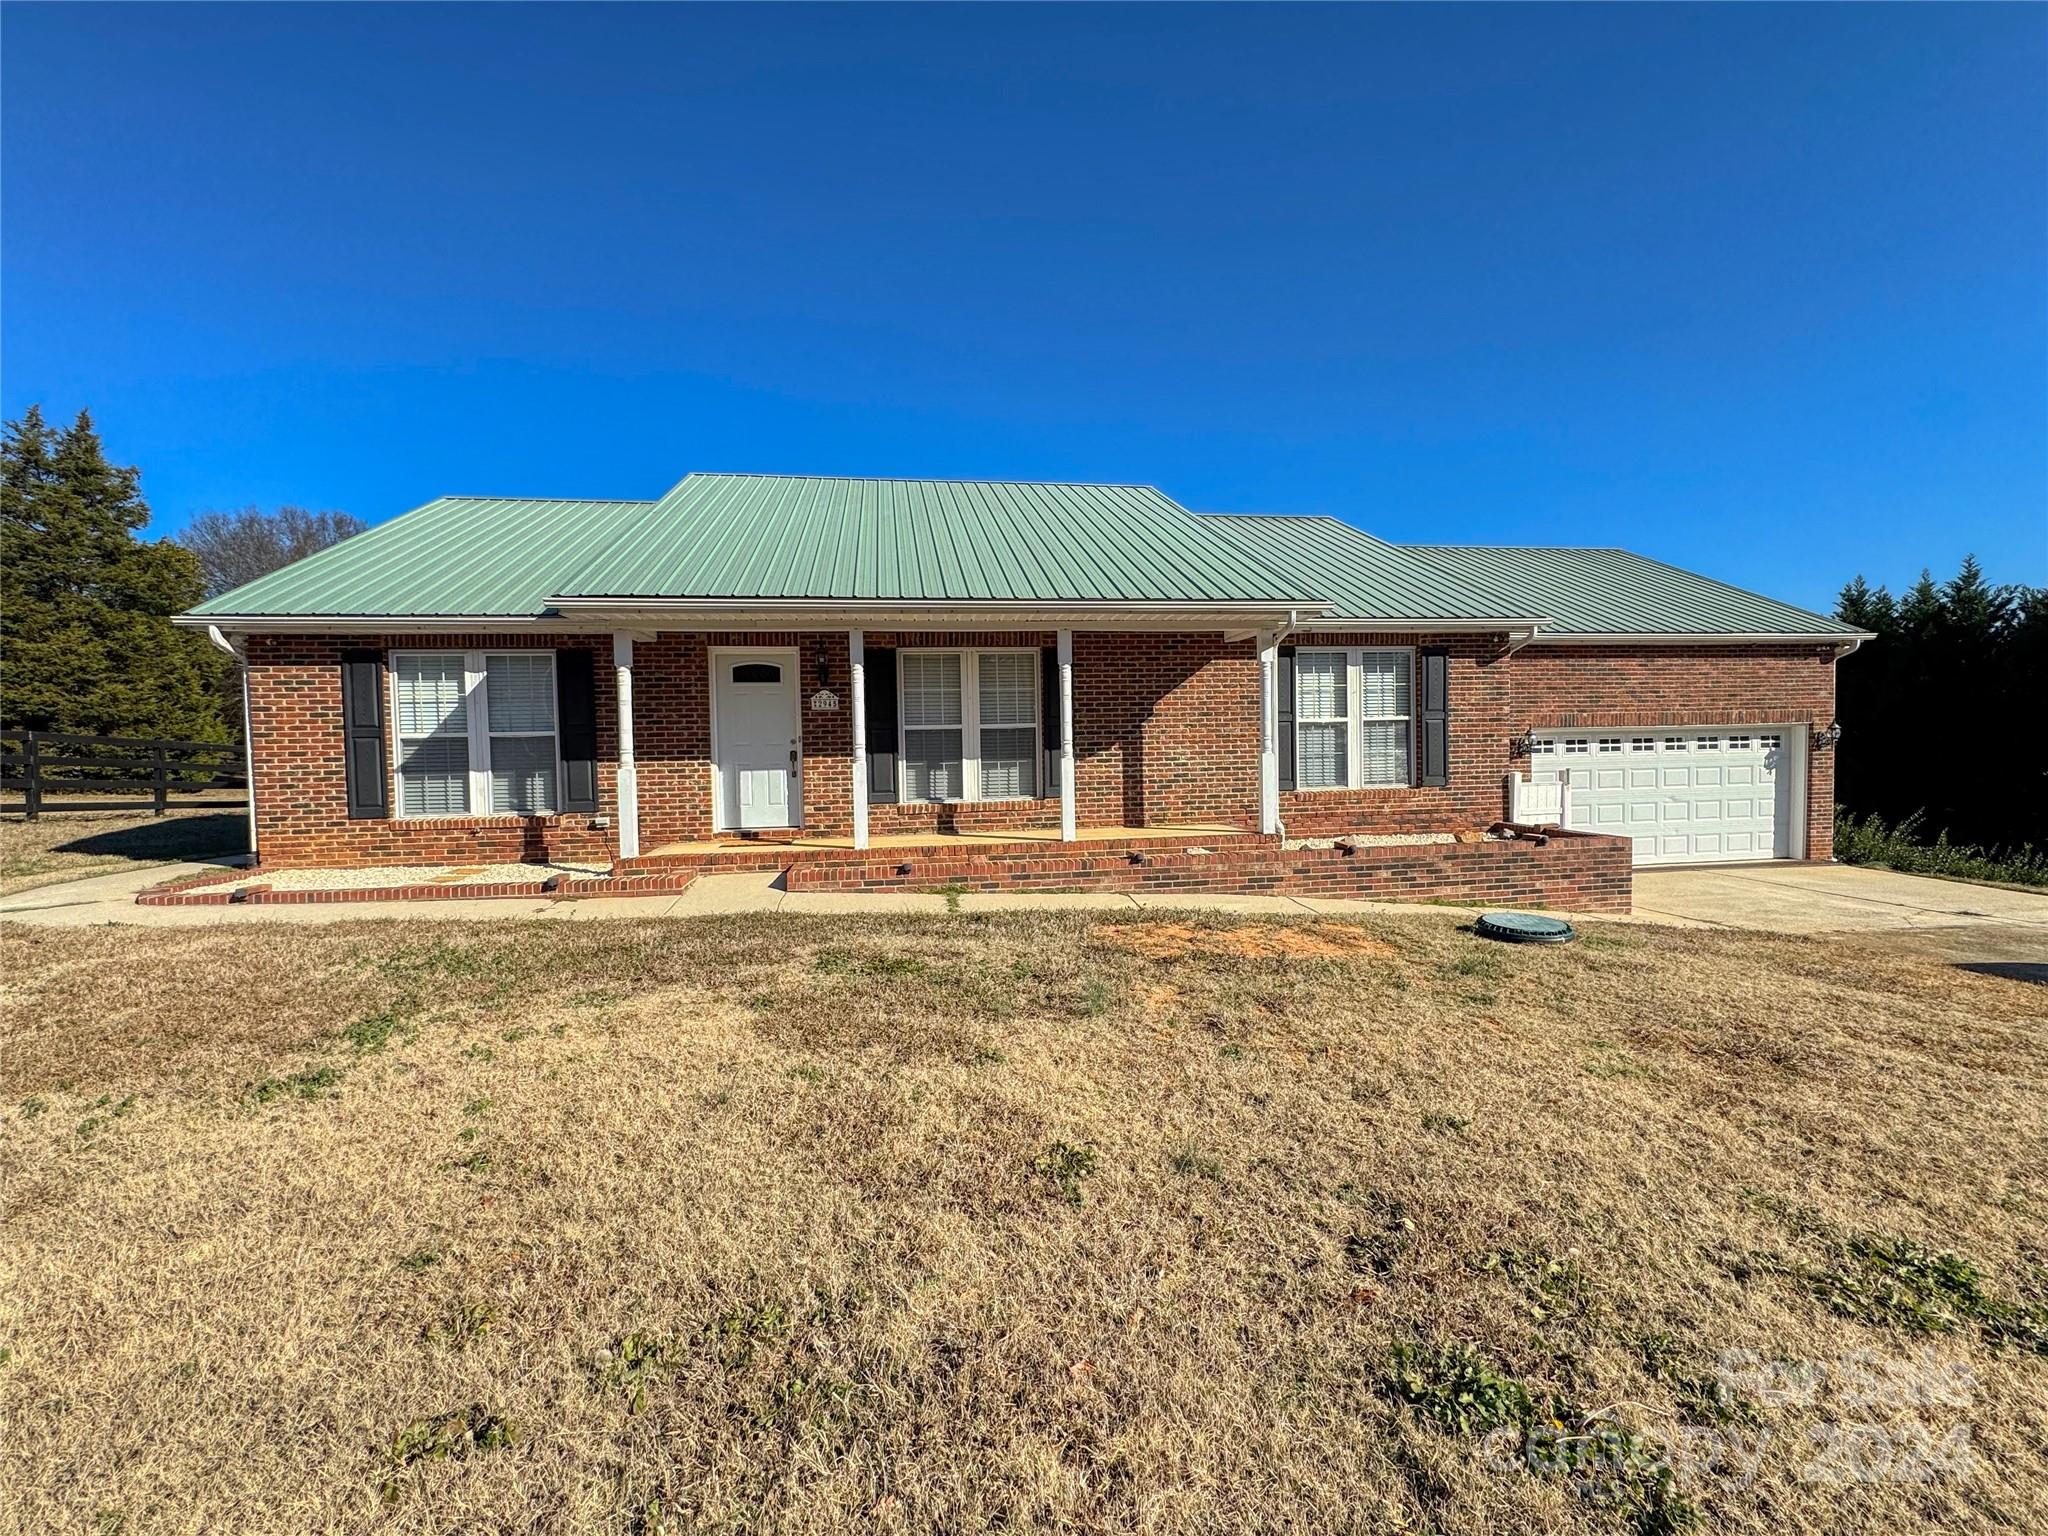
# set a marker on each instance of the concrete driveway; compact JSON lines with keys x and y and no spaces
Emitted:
{"x":1982,"y":926}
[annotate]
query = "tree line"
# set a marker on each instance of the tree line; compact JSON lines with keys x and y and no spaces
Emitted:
{"x":1942,"y":712}
{"x":86,"y":642}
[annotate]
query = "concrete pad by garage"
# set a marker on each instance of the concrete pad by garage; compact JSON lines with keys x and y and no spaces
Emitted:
{"x":1945,"y":919}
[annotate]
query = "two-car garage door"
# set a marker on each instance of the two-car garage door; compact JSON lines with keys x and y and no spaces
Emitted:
{"x":1687,"y":795}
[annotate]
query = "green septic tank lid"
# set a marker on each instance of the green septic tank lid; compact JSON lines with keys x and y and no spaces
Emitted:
{"x":1522,"y":928}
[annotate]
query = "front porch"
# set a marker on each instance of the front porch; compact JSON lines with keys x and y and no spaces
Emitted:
{"x":820,"y":741}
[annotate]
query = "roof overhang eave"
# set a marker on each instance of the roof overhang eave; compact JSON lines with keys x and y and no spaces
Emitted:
{"x":895,"y":613}
{"x":1843,"y":641}
{"x":1459,"y":626}
{"x":380,"y":623}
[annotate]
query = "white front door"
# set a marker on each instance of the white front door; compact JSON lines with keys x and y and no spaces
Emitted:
{"x":1685,"y":794}
{"x":755,"y":744}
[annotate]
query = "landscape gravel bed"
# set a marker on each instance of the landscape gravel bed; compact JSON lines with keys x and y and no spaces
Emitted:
{"x":1373,"y":840}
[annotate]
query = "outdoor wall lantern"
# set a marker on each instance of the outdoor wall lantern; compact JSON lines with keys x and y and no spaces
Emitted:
{"x":1827,"y":738}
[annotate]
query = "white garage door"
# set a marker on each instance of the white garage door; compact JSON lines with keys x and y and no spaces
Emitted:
{"x":1687,"y":795}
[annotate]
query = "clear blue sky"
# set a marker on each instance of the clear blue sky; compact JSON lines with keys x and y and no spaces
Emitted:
{"x":1760,"y":291}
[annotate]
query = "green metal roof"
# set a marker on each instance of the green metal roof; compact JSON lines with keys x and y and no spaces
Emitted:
{"x":741,"y":538}
{"x":460,"y":556}
{"x":1612,"y":592}
{"x":924,"y":541}
{"x":1368,"y":579}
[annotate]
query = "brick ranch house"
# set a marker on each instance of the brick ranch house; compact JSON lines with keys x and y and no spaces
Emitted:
{"x":993,"y":684}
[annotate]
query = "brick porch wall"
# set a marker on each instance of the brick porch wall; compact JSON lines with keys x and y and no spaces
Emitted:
{"x":1573,"y":871}
{"x":1166,"y":729}
{"x":1564,"y":686}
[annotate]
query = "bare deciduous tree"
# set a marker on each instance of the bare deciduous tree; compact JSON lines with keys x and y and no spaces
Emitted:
{"x":236,"y":547}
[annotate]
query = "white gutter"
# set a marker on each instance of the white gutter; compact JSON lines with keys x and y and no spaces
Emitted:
{"x":395,"y":624}
{"x":584,"y":615}
{"x":214,"y":634}
{"x":1505,"y":624}
{"x":1844,"y":641}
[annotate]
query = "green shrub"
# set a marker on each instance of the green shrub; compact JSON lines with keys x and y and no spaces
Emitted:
{"x":1870,"y":841}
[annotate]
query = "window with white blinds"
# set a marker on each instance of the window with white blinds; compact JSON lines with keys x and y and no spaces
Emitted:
{"x":1006,"y":695}
{"x":1354,"y":719}
{"x":933,"y":725}
{"x":1322,"y":720}
{"x":476,"y":731}
{"x":433,"y":733}
{"x":969,"y":722}
{"x":1385,"y":717}
{"x":519,"y":709}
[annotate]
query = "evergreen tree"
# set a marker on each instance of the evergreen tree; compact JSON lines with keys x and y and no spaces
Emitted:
{"x":84,"y":603}
{"x":1941,"y":712}
{"x":1866,"y":609}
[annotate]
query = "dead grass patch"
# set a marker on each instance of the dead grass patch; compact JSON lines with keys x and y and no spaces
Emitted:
{"x":70,"y":845}
{"x":1009,"y":1222}
{"x":1252,"y":941}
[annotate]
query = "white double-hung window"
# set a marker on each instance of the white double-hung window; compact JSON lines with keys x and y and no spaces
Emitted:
{"x":1354,"y":718}
{"x":970,"y":724}
{"x":475,"y":732}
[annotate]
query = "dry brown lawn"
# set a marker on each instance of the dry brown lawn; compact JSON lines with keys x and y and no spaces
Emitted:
{"x":70,"y":845}
{"x":1021,"y":1223}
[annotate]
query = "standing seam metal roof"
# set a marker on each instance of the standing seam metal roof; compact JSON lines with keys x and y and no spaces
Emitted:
{"x":457,"y":556}
{"x":1614,"y":592}
{"x":760,"y":537}
{"x":785,"y":537}
{"x":1367,"y":579}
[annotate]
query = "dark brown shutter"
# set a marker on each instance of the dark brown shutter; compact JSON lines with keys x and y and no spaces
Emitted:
{"x":576,"y":721}
{"x":1284,"y":728}
{"x":362,"y":715}
{"x":1049,"y":717}
{"x":881,"y":718}
{"x":1433,"y":759}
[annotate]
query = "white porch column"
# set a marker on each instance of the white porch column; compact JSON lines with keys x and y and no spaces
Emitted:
{"x":1068,"y":820}
{"x":856,"y":648}
{"x":629,"y":774}
{"x":1269,"y":730}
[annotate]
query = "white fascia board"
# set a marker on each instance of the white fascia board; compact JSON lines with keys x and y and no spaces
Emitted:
{"x":392,"y":624}
{"x":1845,"y":641}
{"x":791,"y":613}
{"x":1524,"y":625}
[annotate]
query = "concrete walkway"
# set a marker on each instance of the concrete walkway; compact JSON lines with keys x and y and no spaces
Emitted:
{"x":111,"y":899}
{"x":1943,"y":919}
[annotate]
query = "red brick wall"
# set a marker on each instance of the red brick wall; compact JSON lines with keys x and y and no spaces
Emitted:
{"x":1574,"y":872}
{"x":295,"y":716}
{"x":1166,"y":731}
{"x":1476,"y":795}
{"x":1557,"y":686}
